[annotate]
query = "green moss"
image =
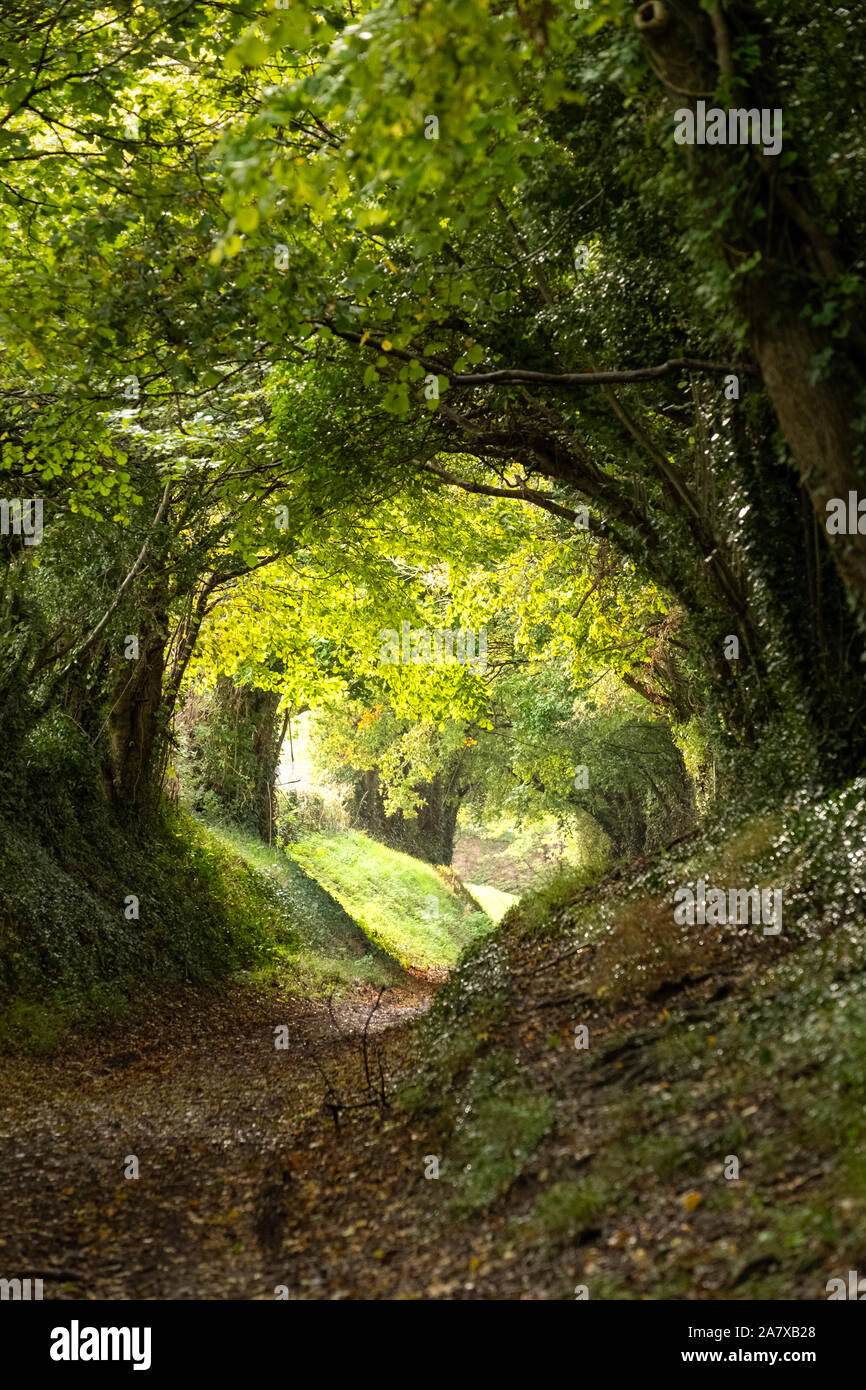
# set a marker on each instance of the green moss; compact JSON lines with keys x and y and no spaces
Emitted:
{"x":568,"y":1209}
{"x":29,"y":1026}
{"x":496,"y":1137}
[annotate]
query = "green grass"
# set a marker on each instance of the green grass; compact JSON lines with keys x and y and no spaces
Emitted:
{"x":494,"y":1144}
{"x":214,"y":902}
{"x":493,"y":900}
{"x":321,"y":947}
{"x":401,"y":903}
{"x":567,"y":1209}
{"x":69,"y":956}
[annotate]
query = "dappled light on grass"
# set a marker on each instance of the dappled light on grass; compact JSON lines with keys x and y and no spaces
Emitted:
{"x":402,"y":903}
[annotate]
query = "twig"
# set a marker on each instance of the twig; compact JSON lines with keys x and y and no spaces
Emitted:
{"x":364,"y":1037}
{"x":91,"y":638}
{"x":723,"y":40}
{"x":548,"y":965}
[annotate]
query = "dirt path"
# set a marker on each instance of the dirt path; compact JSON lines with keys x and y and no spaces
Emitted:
{"x":246,"y":1183}
{"x":243,"y":1184}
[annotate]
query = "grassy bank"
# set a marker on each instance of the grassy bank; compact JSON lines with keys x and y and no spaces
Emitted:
{"x":493,"y":900}
{"x":705,"y":1136}
{"x":94,"y":923}
{"x":321,"y":945}
{"x":402,"y":903}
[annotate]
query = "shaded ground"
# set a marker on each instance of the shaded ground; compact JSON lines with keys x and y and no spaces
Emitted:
{"x":246,"y":1184}
{"x":235,"y":1149}
{"x":559,"y":1166}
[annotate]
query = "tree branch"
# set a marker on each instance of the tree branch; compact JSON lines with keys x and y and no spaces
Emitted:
{"x":92,"y":636}
{"x":521,"y":494}
{"x":509,"y":375}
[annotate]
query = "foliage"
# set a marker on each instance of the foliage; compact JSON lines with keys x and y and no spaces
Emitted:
{"x":287,"y":372}
{"x":68,"y":951}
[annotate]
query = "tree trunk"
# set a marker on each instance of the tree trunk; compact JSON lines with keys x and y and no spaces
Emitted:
{"x":266,"y":751}
{"x":689,"y":49}
{"x":429,"y":836}
{"x":236,"y":751}
{"x":134,"y":722}
{"x":815,"y":420}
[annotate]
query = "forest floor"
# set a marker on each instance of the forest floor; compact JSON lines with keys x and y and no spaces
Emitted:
{"x":307,"y":1171}
{"x":243,"y":1181}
